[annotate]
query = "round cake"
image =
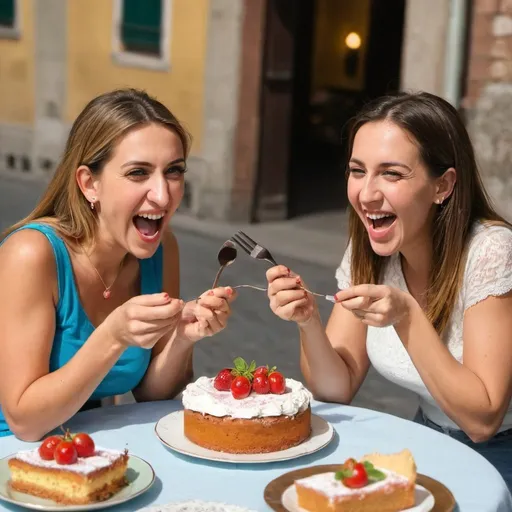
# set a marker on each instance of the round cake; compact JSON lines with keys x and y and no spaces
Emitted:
{"x":258,"y":423}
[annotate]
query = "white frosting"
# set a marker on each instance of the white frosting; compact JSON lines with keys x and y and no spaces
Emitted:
{"x":201,"y":396}
{"x":84,"y":465}
{"x":326,"y":484}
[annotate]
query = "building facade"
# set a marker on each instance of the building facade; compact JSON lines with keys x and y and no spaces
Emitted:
{"x":264,"y":86}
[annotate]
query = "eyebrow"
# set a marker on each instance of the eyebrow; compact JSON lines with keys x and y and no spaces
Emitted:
{"x":383,"y":164}
{"x":148,"y":164}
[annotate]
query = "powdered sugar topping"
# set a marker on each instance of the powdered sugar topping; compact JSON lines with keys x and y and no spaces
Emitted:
{"x":201,"y":396}
{"x":326,"y":484}
{"x":102,"y":458}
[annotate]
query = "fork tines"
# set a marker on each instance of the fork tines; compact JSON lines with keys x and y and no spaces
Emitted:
{"x":247,"y":246}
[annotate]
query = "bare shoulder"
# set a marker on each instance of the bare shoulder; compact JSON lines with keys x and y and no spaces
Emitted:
{"x":29,"y":249}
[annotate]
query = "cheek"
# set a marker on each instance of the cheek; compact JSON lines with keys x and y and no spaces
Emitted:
{"x":353,"y":189}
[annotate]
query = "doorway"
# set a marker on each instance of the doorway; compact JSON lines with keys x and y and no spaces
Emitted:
{"x":323,"y":59}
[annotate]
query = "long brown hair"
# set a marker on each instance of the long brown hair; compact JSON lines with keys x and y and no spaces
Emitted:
{"x":443,"y":142}
{"x":93,"y":137}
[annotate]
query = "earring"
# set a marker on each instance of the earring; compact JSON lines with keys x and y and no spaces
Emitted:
{"x":92,"y":203}
{"x":440,"y":201}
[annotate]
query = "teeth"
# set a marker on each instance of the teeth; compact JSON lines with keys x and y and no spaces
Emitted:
{"x":375,"y":216}
{"x":151,"y":216}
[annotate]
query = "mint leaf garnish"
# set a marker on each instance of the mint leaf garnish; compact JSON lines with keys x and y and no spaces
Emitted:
{"x":252,"y":366}
{"x":373,"y":474}
{"x":343,"y":473}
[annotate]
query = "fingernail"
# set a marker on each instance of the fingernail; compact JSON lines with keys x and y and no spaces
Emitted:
{"x":210,"y":292}
{"x":229,"y":291}
{"x":297,"y":279}
{"x":289,"y":271}
{"x":166,"y":296}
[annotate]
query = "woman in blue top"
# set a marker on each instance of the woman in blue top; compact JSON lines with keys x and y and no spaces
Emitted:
{"x":90,"y":278}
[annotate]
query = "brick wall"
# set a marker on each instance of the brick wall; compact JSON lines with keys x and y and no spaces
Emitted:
{"x":488,"y":98}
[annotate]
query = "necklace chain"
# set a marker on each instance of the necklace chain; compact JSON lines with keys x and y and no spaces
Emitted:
{"x":107,"y":292}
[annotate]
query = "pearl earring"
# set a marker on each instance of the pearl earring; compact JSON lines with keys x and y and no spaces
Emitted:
{"x":92,"y":203}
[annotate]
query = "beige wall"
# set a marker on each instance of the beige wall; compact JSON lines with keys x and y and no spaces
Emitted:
{"x":91,"y":69}
{"x":17,"y":72}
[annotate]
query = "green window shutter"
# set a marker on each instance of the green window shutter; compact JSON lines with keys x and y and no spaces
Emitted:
{"x":7,"y":13}
{"x":141,"y":26}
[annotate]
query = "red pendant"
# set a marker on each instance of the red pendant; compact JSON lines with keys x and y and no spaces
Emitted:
{"x":106,"y":294}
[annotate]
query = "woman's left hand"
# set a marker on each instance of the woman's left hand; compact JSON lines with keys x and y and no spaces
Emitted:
{"x":207,"y":315}
{"x":376,"y":305}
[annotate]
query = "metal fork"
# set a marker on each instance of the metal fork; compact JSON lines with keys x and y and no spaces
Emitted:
{"x":252,"y":248}
{"x":258,"y":252}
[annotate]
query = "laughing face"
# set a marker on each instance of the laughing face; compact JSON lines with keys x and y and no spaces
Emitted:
{"x":390,"y":188}
{"x":140,"y":188}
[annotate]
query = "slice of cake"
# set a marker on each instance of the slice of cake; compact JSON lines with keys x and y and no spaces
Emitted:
{"x":377,"y":483}
{"x":247,"y":410}
{"x":67,"y":477}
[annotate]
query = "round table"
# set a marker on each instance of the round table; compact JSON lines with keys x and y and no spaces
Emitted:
{"x":476,"y":485}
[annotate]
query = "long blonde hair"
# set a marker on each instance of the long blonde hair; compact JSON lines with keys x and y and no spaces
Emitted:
{"x":95,"y":133}
{"x":443,"y":142}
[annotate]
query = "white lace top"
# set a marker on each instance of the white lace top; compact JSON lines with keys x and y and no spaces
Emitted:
{"x":488,"y":272}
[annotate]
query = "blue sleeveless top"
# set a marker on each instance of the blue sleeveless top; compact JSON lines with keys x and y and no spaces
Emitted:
{"x":73,"y":327}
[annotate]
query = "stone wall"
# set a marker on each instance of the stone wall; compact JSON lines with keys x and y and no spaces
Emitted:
{"x":488,"y":99}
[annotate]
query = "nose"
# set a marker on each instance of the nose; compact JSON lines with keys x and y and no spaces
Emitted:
{"x":159,"y":191}
{"x":370,"y":191}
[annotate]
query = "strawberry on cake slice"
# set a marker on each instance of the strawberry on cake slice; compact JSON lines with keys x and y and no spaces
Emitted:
{"x":376,"y":483}
{"x":246,"y":409}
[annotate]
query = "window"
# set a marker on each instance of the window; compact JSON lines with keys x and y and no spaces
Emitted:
{"x":9,"y":26}
{"x":141,"y":33}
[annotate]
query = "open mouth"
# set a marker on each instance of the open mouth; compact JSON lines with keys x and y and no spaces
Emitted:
{"x":149,"y":225}
{"x":381,"y":220}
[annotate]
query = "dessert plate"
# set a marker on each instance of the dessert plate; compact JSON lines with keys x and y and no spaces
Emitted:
{"x":140,"y":476}
{"x":195,"y":506}
{"x":280,"y":493}
{"x":169,"y":431}
{"x":424,"y":500}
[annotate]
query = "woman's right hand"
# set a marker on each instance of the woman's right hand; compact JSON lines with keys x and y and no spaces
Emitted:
{"x":288,"y":299}
{"x":145,"y":319}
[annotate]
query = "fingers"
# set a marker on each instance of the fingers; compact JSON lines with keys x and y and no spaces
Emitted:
{"x":277,"y":272}
{"x":362,"y":303}
{"x":283,"y":283}
{"x":288,"y":311}
{"x":149,"y":313}
{"x":372,"y":291}
{"x":225,"y":293}
{"x":287,"y":296}
{"x":155,"y":299}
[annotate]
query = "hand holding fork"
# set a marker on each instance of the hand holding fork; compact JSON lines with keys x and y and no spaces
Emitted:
{"x":258,"y":252}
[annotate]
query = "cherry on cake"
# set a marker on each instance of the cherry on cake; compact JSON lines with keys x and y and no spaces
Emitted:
{"x":247,"y":410}
{"x":69,"y":470}
{"x":377,"y":483}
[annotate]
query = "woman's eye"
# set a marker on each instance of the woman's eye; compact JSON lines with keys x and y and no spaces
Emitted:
{"x":356,"y":171}
{"x":392,"y":174}
{"x":176,"y":171}
{"x":137,"y":172}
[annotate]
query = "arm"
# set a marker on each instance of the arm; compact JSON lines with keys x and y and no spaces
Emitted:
{"x":476,"y":394}
{"x":334,"y":361}
{"x":170,"y":368}
{"x":33,"y":400}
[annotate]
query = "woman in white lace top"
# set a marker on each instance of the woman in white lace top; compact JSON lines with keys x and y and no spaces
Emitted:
{"x":425,"y":283}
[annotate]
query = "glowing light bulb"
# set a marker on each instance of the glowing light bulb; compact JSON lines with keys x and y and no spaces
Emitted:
{"x":353,"y":40}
